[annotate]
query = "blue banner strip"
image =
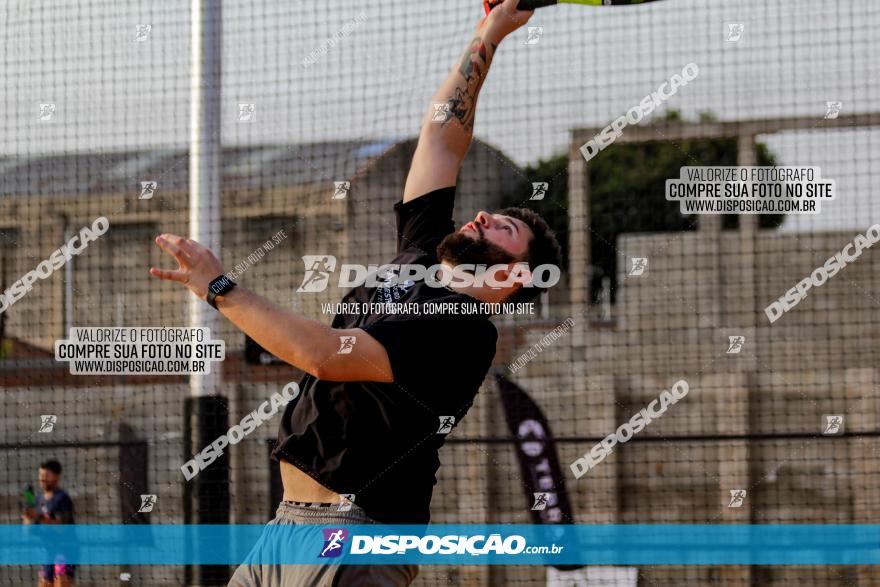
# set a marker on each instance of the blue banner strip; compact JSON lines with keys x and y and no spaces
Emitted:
{"x":458,"y":544}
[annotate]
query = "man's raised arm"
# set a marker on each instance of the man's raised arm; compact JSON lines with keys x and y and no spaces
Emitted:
{"x":297,"y":340}
{"x":449,"y":123}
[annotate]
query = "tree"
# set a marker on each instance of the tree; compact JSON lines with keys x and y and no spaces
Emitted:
{"x":627,"y":193}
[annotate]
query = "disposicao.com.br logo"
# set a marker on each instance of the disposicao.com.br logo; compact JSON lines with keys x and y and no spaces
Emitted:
{"x":334,"y":542}
{"x":431,"y":544}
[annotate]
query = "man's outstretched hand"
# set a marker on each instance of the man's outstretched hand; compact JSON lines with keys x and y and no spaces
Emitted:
{"x":197,"y":266}
{"x":504,"y":19}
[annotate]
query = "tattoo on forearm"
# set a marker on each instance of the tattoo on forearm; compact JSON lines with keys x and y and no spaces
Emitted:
{"x":473,"y":69}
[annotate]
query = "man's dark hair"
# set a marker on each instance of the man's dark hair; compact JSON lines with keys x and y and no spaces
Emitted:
{"x":543,"y":248}
{"x":52,"y":465}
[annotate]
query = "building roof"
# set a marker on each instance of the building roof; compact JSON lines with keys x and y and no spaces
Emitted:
{"x":241,"y":167}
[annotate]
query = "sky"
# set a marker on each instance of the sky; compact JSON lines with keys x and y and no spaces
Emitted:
{"x":377,"y":65}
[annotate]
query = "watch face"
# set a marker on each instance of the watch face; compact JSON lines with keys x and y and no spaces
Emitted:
{"x":221,"y":285}
{"x":218,"y":287}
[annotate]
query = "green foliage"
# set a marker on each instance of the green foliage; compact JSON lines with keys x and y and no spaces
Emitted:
{"x":554,"y":206}
{"x":627,"y":186}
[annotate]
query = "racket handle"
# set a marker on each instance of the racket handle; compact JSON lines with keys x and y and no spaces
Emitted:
{"x":532,"y":4}
{"x":523,"y":4}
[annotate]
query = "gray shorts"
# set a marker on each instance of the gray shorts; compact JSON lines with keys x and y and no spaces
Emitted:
{"x":327,"y":575}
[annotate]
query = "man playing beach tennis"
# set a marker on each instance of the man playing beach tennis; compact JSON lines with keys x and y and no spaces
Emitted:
{"x":374,"y":411}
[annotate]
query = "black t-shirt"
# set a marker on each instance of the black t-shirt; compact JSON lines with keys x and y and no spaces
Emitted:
{"x":380,"y":441}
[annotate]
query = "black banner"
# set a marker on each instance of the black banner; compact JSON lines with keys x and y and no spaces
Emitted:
{"x":544,"y":485}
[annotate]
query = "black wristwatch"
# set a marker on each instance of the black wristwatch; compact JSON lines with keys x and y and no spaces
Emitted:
{"x":218,"y":287}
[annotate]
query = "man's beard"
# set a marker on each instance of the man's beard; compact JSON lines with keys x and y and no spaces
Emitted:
{"x":457,"y":248}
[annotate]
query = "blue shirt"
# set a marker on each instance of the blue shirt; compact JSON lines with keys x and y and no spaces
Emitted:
{"x":58,"y":507}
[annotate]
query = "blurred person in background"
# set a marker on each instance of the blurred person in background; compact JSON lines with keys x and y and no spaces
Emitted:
{"x":51,"y":505}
